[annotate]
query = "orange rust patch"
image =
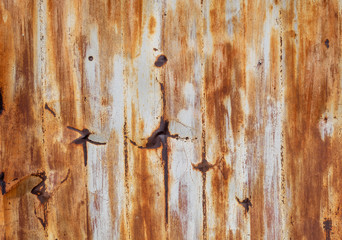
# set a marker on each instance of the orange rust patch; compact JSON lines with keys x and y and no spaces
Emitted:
{"x":152,"y":25}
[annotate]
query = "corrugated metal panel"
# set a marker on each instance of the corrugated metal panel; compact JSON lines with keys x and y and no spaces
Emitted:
{"x":132,"y":119}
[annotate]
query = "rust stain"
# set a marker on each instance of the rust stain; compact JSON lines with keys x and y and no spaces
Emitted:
{"x":152,"y":25}
{"x":250,"y":90}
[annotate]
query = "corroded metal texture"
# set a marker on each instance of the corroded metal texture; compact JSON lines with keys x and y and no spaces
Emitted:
{"x":132,"y":119}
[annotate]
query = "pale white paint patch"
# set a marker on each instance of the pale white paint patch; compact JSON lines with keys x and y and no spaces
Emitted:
{"x":186,"y":116}
{"x":98,"y":182}
{"x":116,"y":89}
{"x":326,"y":125}
{"x":99,"y":204}
{"x":186,"y":187}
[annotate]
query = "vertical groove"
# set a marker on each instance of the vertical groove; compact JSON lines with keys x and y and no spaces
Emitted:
{"x":204,"y":204}
{"x":203,"y":134}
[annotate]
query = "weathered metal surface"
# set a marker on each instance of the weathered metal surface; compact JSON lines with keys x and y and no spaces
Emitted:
{"x":131,"y":119}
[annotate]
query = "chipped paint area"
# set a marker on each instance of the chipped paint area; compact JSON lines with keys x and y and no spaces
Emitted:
{"x":212,"y":119}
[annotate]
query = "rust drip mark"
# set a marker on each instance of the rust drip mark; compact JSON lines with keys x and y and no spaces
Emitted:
{"x":159,"y":139}
{"x":326,"y":43}
{"x":90,"y":58}
{"x":67,"y":176}
{"x":50,"y":110}
{"x":85,"y":133}
{"x":161,"y":61}
{"x":246,"y":203}
{"x":327,"y":225}
{"x":2,"y":183}
{"x":1,"y":103}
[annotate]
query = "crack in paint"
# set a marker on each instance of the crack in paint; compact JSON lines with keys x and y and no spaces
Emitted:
{"x":85,"y":133}
{"x":67,"y":176}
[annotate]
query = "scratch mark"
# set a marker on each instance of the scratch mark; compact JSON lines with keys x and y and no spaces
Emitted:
{"x":67,"y":176}
{"x":50,"y":110}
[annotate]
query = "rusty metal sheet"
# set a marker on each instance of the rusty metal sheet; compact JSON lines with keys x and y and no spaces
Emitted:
{"x":132,"y":119}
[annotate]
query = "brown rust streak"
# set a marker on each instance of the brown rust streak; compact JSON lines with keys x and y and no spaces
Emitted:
{"x":133,"y":24}
{"x":19,"y":130}
{"x":224,"y":76}
{"x":145,"y":221}
{"x":7,"y":53}
{"x":182,"y":50}
{"x":152,"y":25}
{"x":309,"y":93}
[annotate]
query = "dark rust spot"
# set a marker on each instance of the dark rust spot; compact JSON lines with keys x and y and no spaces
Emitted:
{"x":83,"y":139}
{"x":90,"y":58}
{"x":203,"y":166}
{"x":246,"y":203}
{"x":326,"y":43}
{"x":155,"y":49}
{"x":327,"y":225}
{"x":42,"y":222}
{"x":1,"y":102}
{"x":50,"y":110}
{"x":2,"y":183}
{"x":161,"y":60}
{"x":40,"y":190}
